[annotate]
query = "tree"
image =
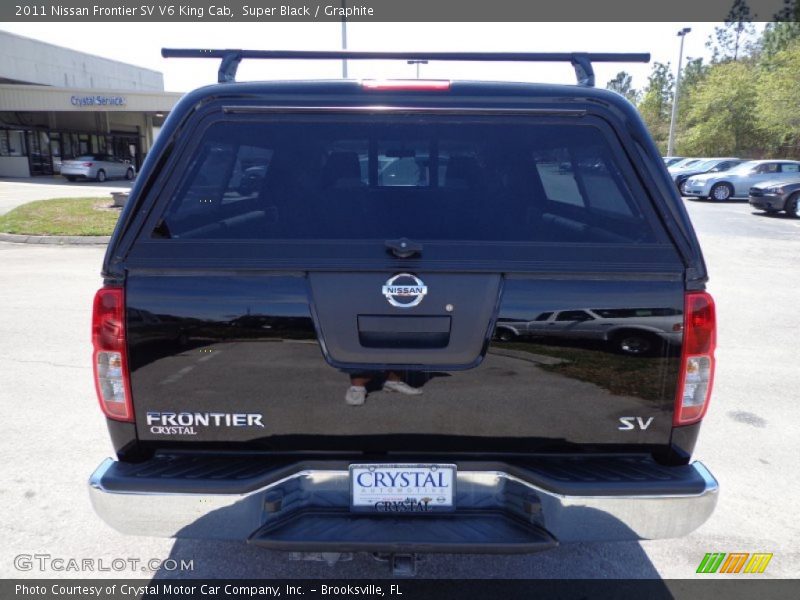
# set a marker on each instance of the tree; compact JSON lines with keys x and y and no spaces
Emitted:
{"x":722,"y":119}
{"x":656,"y":104}
{"x":736,"y":38}
{"x":692,"y":77}
{"x":779,"y":36}
{"x":622,"y":84}
{"x":693,"y":73}
{"x":777,"y":104}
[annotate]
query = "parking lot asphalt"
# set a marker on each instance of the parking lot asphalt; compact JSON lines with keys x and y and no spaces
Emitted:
{"x":17,"y":191}
{"x":53,"y":435}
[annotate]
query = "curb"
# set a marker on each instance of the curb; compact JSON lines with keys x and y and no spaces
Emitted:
{"x":56,"y":240}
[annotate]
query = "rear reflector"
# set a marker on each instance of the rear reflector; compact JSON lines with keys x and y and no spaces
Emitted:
{"x":697,"y":358}
{"x":111,"y":377}
{"x":406,"y":85}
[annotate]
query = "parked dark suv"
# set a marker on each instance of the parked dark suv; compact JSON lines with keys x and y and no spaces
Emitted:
{"x":307,"y":361}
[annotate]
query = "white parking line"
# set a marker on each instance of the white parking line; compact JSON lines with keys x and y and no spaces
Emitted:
{"x":176,"y":376}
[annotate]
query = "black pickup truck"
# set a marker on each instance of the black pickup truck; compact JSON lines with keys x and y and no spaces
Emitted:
{"x":295,"y":343}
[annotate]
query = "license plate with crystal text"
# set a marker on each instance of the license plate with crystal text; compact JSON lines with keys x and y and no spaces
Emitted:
{"x":402,"y":488}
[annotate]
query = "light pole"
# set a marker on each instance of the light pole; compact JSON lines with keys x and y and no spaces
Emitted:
{"x":418,"y":63}
{"x":344,"y":40}
{"x":671,"y":142}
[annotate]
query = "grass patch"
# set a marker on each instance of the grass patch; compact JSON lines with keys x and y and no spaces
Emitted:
{"x":62,"y":216}
{"x":636,"y":376}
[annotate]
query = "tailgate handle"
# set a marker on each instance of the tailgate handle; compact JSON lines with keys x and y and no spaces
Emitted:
{"x":403,"y":332}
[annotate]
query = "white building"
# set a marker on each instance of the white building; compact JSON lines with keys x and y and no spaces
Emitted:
{"x":56,"y":103}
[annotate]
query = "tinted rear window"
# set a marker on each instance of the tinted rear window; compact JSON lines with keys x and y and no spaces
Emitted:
{"x":417,"y":177}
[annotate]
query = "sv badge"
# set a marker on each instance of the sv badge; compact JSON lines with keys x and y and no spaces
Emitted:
{"x":628,"y":423}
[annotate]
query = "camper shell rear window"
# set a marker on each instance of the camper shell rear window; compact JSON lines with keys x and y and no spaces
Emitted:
{"x":421,"y":177}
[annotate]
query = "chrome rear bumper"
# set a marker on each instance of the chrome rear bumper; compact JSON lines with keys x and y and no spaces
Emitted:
{"x":135,"y":501}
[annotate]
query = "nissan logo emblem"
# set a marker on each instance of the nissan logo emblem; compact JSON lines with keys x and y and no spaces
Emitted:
{"x":404,"y":290}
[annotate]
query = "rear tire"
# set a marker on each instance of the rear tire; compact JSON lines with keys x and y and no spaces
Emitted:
{"x":505,"y":335}
{"x":721,"y":192}
{"x":101,"y":176}
{"x":635,"y":343}
{"x":129,"y":174}
{"x":793,"y":206}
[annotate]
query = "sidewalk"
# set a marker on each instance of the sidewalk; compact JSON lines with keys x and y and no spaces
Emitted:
{"x":58,"y":240}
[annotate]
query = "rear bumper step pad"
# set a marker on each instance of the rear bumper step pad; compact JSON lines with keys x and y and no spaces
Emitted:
{"x":340,"y":531}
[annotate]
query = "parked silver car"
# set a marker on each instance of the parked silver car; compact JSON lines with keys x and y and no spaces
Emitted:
{"x":98,"y":167}
{"x":775,"y":196}
{"x":629,"y":330}
{"x":671,"y":160}
{"x":709,"y":165}
{"x":737,"y":182}
{"x":684,"y":162}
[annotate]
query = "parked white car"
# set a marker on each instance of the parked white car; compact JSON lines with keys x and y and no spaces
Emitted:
{"x":98,"y":167}
{"x":737,"y":182}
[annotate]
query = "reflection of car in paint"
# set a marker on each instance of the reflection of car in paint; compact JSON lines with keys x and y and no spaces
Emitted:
{"x":629,"y":330}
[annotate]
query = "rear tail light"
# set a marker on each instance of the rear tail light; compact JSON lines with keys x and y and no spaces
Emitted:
{"x":88,"y":164}
{"x":111,"y":377}
{"x":697,"y":358}
{"x":406,"y":85}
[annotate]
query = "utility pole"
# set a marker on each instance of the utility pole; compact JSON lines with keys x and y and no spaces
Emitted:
{"x":671,"y":143}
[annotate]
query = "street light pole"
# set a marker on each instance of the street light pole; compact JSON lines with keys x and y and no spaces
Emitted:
{"x":344,"y":40}
{"x":671,"y":142}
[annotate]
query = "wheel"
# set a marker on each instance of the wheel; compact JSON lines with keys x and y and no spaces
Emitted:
{"x":505,"y":335}
{"x":721,"y":191}
{"x":793,"y":206}
{"x":682,"y":187}
{"x":637,"y":344}
{"x":101,"y":176}
{"x":129,"y":174}
{"x":71,"y":178}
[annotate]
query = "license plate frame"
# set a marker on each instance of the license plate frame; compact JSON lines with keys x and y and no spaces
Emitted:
{"x":400,"y":499}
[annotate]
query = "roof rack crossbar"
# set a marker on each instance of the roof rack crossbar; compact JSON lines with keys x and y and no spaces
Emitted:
{"x":581,"y":61}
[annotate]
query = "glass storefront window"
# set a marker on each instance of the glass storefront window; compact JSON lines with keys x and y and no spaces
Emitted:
{"x":66,"y":145}
{"x":16,"y":143}
{"x":45,"y":150}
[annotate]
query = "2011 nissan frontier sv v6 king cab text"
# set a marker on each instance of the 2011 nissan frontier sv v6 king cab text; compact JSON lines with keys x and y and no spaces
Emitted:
{"x":296,"y":342}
